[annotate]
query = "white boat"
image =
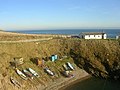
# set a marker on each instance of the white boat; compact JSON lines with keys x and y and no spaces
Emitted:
{"x":49,"y":72}
{"x":66,"y":67}
{"x":67,"y":74}
{"x":27,"y":73}
{"x":33,"y":72}
{"x":15,"y":82}
{"x":70,"y":66}
{"x":22,"y":75}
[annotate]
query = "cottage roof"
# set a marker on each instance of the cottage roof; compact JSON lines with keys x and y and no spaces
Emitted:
{"x":92,"y":33}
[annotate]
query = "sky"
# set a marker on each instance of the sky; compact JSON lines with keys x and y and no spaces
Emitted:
{"x":59,"y":14}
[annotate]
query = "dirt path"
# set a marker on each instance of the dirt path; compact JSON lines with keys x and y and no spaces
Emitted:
{"x":27,"y":40}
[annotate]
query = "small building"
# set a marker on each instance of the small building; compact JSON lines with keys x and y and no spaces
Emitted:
{"x":54,"y":58}
{"x":18,"y":61}
{"x":40,"y":62}
{"x":93,"y":35}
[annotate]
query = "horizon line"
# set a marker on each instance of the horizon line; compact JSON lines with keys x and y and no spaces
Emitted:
{"x":62,"y":29}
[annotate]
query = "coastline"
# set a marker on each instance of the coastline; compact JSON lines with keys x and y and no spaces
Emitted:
{"x":74,"y":82}
{"x":62,"y":83}
{"x":9,"y":51}
{"x":55,"y":84}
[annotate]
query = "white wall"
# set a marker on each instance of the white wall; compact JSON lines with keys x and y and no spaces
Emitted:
{"x":93,"y":37}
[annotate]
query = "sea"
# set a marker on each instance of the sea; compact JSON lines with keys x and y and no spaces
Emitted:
{"x":95,"y":84}
{"x":111,"y":33}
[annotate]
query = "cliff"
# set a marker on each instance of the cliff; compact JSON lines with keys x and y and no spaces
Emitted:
{"x":100,"y":58}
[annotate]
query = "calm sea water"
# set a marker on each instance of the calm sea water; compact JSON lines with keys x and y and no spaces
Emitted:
{"x":110,"y":32}
{"x":95,"y":84}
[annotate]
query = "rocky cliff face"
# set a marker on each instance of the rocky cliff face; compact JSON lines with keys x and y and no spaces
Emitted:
{"x":101,"y":58}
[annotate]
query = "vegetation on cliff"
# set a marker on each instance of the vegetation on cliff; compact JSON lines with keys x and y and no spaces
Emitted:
{"x":100,"y":58}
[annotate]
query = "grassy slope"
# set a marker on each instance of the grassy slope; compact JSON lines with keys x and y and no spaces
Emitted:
{"x":28,"y":51}
{"x":84,"y":52}
{"x":10,"y":36}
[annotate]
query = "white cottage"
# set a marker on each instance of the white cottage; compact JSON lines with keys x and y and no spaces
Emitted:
{"x":93,"y":35}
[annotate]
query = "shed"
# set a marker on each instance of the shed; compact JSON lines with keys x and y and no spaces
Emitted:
{"x":18,"y":61}
{"x":40,"y":62}
{"x":54,"y":57}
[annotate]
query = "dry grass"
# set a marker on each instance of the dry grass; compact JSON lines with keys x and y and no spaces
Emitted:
{"x":91,"y":51}
{"x":11,"y":36}
{"x":30,"y":50}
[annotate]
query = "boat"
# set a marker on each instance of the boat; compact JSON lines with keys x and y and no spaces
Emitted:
{"x":70,"y":66}
{"x":33,"y":72}
{"x":22,"y":75}
{"x":49,"y":71}
{"x":15,"y":82}
{"x":67,"y":74}
{"x":27,"y":73}
{"x":66,"y":67}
